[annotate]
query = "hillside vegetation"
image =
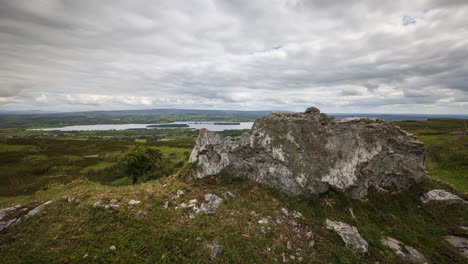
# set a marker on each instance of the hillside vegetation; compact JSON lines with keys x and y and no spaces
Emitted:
{"x":154,"y":231}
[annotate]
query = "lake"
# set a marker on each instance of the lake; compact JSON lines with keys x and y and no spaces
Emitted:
{"x":191,"y":125}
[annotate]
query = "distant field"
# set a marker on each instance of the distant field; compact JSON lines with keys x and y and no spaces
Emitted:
{"x":28,"y":165}
{"x":30,"y":160}
{"x":447,"y":154}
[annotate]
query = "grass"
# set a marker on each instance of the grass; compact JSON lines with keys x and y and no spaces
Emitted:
{"x":66,"y":232}
{"x":69,"y":233}
{"x":447,"y":154}
{"x":31,"y":164}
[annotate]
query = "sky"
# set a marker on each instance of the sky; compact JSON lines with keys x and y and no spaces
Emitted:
{"x":339,"y":56}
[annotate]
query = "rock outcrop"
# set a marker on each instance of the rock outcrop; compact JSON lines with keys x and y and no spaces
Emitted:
{"x":310,"y":153}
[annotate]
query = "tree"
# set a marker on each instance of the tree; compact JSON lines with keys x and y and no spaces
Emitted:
{"x":141,"y":160}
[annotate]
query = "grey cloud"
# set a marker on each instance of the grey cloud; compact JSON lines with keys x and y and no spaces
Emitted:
{"x":289,"y":54}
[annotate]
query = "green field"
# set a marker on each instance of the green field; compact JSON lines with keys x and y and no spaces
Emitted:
{"x":31,"y":164}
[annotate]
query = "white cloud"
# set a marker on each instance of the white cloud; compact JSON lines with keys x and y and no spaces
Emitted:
{"x":366,"y":56}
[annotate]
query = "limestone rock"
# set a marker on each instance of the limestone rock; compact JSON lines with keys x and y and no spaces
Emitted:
{"x":310,"y":153}
{"x":461,"y":243}
{"x":133,"y":202}
{"x":349,"y":234}
{"x":406,"y":253}
{"x":5,"y":224}
{"x":38,"y":208}
{"x":439,"y":196}
{"x":213,"y":203}
{"x":4,"y":211}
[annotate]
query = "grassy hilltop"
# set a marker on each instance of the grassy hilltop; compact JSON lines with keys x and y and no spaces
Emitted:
{"x":37,"y":170}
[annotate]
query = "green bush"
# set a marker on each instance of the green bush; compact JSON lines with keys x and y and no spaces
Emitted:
{"x":142,"y":160}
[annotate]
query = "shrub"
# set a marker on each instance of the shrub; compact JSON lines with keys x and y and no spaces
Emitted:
{"x":141,"y":160}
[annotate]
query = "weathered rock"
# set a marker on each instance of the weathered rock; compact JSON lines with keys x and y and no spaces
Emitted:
{"x":4,"y":211}
{"x":406,"y":253}
{"x":38,"y":208}
{"x":263,"y":221}
{"x":310,"y":153}
{"x":461,"y":243}
{"x":179,"y":193}
{"x":111,"y":207}
{"x":349,"y":234}
{"x":439,"y":196}
{"x":213,"y":203}
{"x":215,"y":249}
{"x":133,"y":202}
{"x":5,"y":224}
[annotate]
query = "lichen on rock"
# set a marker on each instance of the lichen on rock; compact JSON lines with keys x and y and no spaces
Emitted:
{"x":311,"y":153}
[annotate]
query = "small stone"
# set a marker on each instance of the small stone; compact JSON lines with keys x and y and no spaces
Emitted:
{"x":309,"y":234}
{"x":183,"y":205}
{"x":263,"y":221}
{"x":85,"y":256}
{"x":285,"y":211}
{"x":193,"y":201}
{"x":140,"y":214}
{"x":112,"y":247}
{"x":166,"y":204}
{"x":300,"y":258}
{"x":112,"y":207}
{"x":292,"y":257}
{"x":288,"y":245}
{"x":97,"y":204}
{"x":349,"y":234}
{"x":297,"y":215}
{"x":133,"y":202}
{"x":215,"y":249}
{"x":311,"y":243}
{"x":213,"y":203}
{"x":229,"y":195}
{"x":406,"y":253}
{"x":72,"y":199}
{"x":179,"y":193}
{"x":114,"y":201}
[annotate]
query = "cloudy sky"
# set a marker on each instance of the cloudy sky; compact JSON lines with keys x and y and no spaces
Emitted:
{"x":341,"y":56}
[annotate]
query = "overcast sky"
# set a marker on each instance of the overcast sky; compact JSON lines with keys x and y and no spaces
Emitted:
{"x":340,"y":56}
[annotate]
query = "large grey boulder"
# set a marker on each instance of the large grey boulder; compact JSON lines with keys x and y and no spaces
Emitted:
{"x":310,"y":153}
{"x":406,"y":253}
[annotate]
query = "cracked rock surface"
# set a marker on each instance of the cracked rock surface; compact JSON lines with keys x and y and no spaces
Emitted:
{"x":310,"y":153}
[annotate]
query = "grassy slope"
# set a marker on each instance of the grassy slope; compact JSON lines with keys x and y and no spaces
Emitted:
{"x":65,"y":232}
